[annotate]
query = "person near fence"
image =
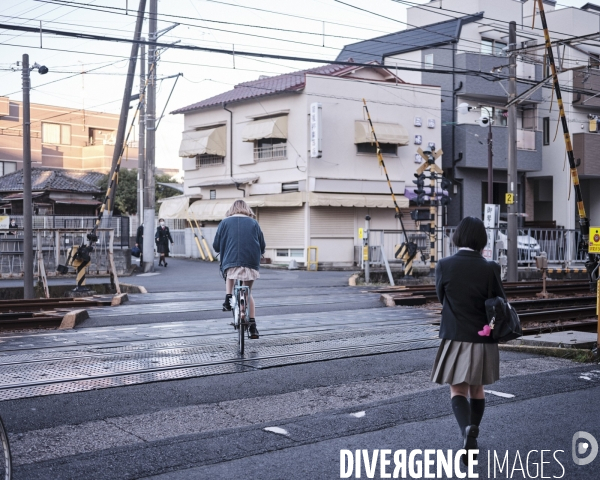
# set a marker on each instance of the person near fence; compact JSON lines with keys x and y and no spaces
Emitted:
{"x":163,"y":237}
{"x":467,"y":359}
{"x":139,"y":242}
{"x":13,"y":227}
{"x":240,"y":242}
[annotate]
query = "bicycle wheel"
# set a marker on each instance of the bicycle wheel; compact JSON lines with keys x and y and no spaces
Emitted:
{"x":5,"y":459}
{"x":241,"y":314}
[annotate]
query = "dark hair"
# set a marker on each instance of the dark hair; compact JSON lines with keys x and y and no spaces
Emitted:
{"x":470,"y":233}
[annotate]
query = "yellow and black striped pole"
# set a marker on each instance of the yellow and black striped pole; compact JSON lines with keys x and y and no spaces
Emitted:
{"x":584,"y":223}
{"x":408,"y":250}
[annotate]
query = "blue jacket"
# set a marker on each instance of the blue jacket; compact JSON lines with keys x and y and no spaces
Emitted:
{"x":240,"y":242}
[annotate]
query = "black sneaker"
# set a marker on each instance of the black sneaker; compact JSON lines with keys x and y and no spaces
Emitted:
{"x":227,"y":303}
{"x":252,"y":330}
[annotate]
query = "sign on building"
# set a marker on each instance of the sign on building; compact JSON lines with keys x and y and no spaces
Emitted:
{"x":316,"y":128}
{"x":491,"y":218}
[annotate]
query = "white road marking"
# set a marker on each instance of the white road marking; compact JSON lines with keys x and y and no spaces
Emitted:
{"x":500,"y":394}
{"x":147,"y":274}
{"x":358,"y":414}
{"x":277,"y":430}
{"x":583,"y":377}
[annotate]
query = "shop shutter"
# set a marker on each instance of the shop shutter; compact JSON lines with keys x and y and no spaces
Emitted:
{"x":282,"y":227}
{"x":332,"y":222}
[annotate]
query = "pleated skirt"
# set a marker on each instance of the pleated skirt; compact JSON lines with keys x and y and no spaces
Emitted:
{"x":242,"y":273}
{"x":459,"y":362}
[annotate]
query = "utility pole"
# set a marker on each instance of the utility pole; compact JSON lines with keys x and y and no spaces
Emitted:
{"x":27,"y":202}
{"x":142,"y":137}
{"x":149,"y":186}
{"x":126,"y":101}
{"x":512,"y":200}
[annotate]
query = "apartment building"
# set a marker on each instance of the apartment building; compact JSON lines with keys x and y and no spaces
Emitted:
{"x":449,"y":35}
{"x":462,"y":49}
{"x":298,"y":148}
{"x":74,"y":139}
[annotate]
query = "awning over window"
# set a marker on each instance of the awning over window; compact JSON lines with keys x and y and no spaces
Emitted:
{"x":276,"y":127}
{"x":353,"y":200}
{"x":294,"y":199}
{"x":386,"y":133}
{"x":215,"y":210}
{"x":210,"y":210}
{"x":174,"y":207}
{"x":210,"y":141}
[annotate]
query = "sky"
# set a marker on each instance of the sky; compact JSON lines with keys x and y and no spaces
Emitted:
{"x":326,"y":26}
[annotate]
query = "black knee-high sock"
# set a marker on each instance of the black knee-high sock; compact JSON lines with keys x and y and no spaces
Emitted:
{"x":477,"y":409}
{"x":462,"y":412}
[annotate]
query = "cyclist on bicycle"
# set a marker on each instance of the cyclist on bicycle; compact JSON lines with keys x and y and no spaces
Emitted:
{"x":240,"y":242}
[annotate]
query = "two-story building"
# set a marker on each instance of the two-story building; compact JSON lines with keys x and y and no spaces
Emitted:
{"x":254,"y":142}
{"x":73,"y":139}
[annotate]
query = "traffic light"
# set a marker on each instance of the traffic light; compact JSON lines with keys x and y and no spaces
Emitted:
{"x":420,"y":190}
{"x":445,"y":185}
{"x":420,"y":183}
{"x":420,"y":215}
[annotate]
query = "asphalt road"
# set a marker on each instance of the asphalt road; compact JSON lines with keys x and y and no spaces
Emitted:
{"x":270,"y":419}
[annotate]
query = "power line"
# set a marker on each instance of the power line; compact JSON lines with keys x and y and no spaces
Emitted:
{"x":88,"y":36}
{"x":122,"y":11}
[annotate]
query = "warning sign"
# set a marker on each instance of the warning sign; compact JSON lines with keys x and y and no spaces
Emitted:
{"x":509,"y":198}
{"x":594,"y":246}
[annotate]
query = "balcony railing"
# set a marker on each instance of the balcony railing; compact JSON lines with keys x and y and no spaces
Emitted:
{"x":270,"y":152}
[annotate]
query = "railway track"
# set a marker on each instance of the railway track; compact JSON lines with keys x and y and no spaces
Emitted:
{"x":43,"y":312}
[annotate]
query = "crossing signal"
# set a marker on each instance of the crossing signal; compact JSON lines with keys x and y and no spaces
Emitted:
{"x":445,"y":185}
{"x":420,"y":215}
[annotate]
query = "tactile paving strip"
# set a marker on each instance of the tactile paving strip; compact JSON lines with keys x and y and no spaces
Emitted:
{"x":113,"y":369}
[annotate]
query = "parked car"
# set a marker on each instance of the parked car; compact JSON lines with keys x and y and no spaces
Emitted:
{"x":527,"y":246}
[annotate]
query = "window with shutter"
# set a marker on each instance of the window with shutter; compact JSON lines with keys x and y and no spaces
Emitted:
{"x":282,"y":227}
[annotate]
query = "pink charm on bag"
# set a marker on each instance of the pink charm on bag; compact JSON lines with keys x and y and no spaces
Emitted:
{"x":485,"y":332}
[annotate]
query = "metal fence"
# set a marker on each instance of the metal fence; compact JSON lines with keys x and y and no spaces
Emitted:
{"x":120,"y":225}
{"x":52,"y":246}
{"x":559,"y":244}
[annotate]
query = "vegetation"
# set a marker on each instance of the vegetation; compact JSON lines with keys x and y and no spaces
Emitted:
{"x":126,"y":196}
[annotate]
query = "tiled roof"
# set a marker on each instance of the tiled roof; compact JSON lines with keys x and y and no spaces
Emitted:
{"x":376,"y":49}
{"x":43,"y":179}
{"x":288,"y":82}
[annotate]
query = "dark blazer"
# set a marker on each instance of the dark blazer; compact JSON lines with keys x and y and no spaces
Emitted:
{"x":240,"y":242}
{"x":139,"y":238}
{"x":162,"y":237}
{"x":462,"y":283}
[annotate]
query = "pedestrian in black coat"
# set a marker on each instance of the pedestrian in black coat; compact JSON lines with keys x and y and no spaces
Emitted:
{"x":139,"y":241}
{"x":163,"y":237}
{"x":468,"y":357}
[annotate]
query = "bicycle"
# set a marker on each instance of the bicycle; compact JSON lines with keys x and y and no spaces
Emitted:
{"x":240,"y":307}
{"x":5,"y":457}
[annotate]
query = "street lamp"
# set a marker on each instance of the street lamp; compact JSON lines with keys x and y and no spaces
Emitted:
{"x":485,"y":121}
{"x":27,"y":202}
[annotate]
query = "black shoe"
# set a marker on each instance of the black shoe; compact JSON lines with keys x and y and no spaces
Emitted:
{"x":471,"y":434}
{"x":253,"y":330}
{"x":227,"y":303}
{"x":166,"y":264}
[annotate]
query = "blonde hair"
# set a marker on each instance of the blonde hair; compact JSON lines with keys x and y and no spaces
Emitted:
{"x":240,"y":207}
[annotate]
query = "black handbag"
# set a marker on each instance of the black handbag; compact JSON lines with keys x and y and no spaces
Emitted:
{"x":502,"y":318}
